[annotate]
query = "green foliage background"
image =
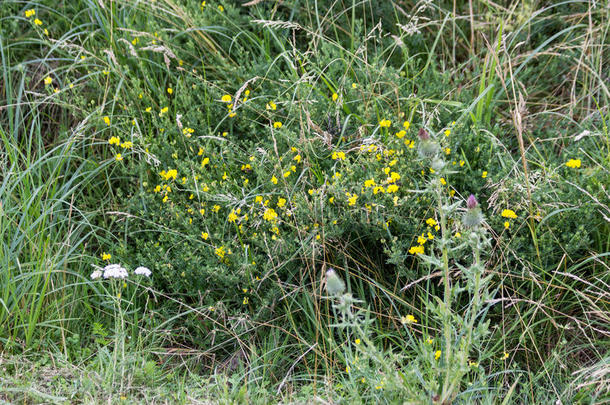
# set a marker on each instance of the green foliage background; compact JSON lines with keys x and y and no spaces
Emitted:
{"x":514,"y":94}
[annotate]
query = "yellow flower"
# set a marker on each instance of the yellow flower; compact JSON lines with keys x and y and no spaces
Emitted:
{"x":447,"y":151}
{"x":369,"y":183}
{"x":431,"y":222}
{"x":437,"y":354}
{"x":106,"y":256}
{"x":37,"y":22}
{"x":126,"y":144}
{"x":226,"y":98}
{"x":277,"y":124}
{"x":287,"y":173}
{"x":205,"y":235}
{"x":29,"y":13}
{"x":270,"y":215}
{"x":200,"y":152}
{"x":274,"y":180}
{"x":505,"y":356}
{"x":271,"y":106}
{"x":506,"y":224}
{"x":392,"y":188}
{"x":385,"y":123}
{"x":352,"y":199}
{"x":484,"y":174}
{"x":232,"y":217}
{"x":221,"y":8}
{"x":281,"y":202}
{"x":335,"y":96}
{"x":443,"y":181}
{"x":416,"y":250}
{"x":406,"y":124}
{"x":393,"y":177}
{"x":338,"y":155}
{"x":458,"y":235}
{"x":170,"y":90}
{"x":509,"y":214}
{"x":354,"y":86}
{"x":205,"y":161}
{"x":447,"y":132}
{"x":297,"y":158}
{"x":48,"y":80}
{"x":170,"y":174}
{"x":114,"y":140}
{"x":118,"y":157}
{"x":573,"y":163}
{"x":408,"y":319}
{"x":220,"y":252}
{"x":378,"y":189}
{"x":401,"y":134}
{"x":357,"y":341}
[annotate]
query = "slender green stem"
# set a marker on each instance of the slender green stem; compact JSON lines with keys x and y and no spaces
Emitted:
{"x":447,"y":294}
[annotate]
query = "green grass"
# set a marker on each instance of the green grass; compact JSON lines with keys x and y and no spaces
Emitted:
{"x":239,"y":244}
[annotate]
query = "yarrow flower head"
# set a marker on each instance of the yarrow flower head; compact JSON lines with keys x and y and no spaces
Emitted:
{"x":143,"y":271}
{"x":115,"y":271}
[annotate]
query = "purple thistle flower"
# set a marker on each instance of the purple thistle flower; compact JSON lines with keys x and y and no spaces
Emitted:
{"x":423,"y":134}
{"x":471,"y":203}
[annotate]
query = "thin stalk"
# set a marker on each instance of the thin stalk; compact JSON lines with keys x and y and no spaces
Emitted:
{"x":447,"y":294}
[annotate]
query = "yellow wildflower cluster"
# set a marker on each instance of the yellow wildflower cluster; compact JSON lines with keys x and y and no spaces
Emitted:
{"x":338,"y":155}
{"x":573,"y":163}
{"x":170,"y":174}
{"x":385,"y":123}
{"x":408,"y":319}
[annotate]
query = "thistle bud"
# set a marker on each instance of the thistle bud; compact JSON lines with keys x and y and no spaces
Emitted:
{"x":473,"y":216}
{"x":423,"y":134}
{"x":334,"y":284}
{"x":471,"y":202}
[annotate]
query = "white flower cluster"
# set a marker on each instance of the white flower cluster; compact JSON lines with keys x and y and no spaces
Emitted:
{"x":143,"y":271}
{"x":118,"y":271}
